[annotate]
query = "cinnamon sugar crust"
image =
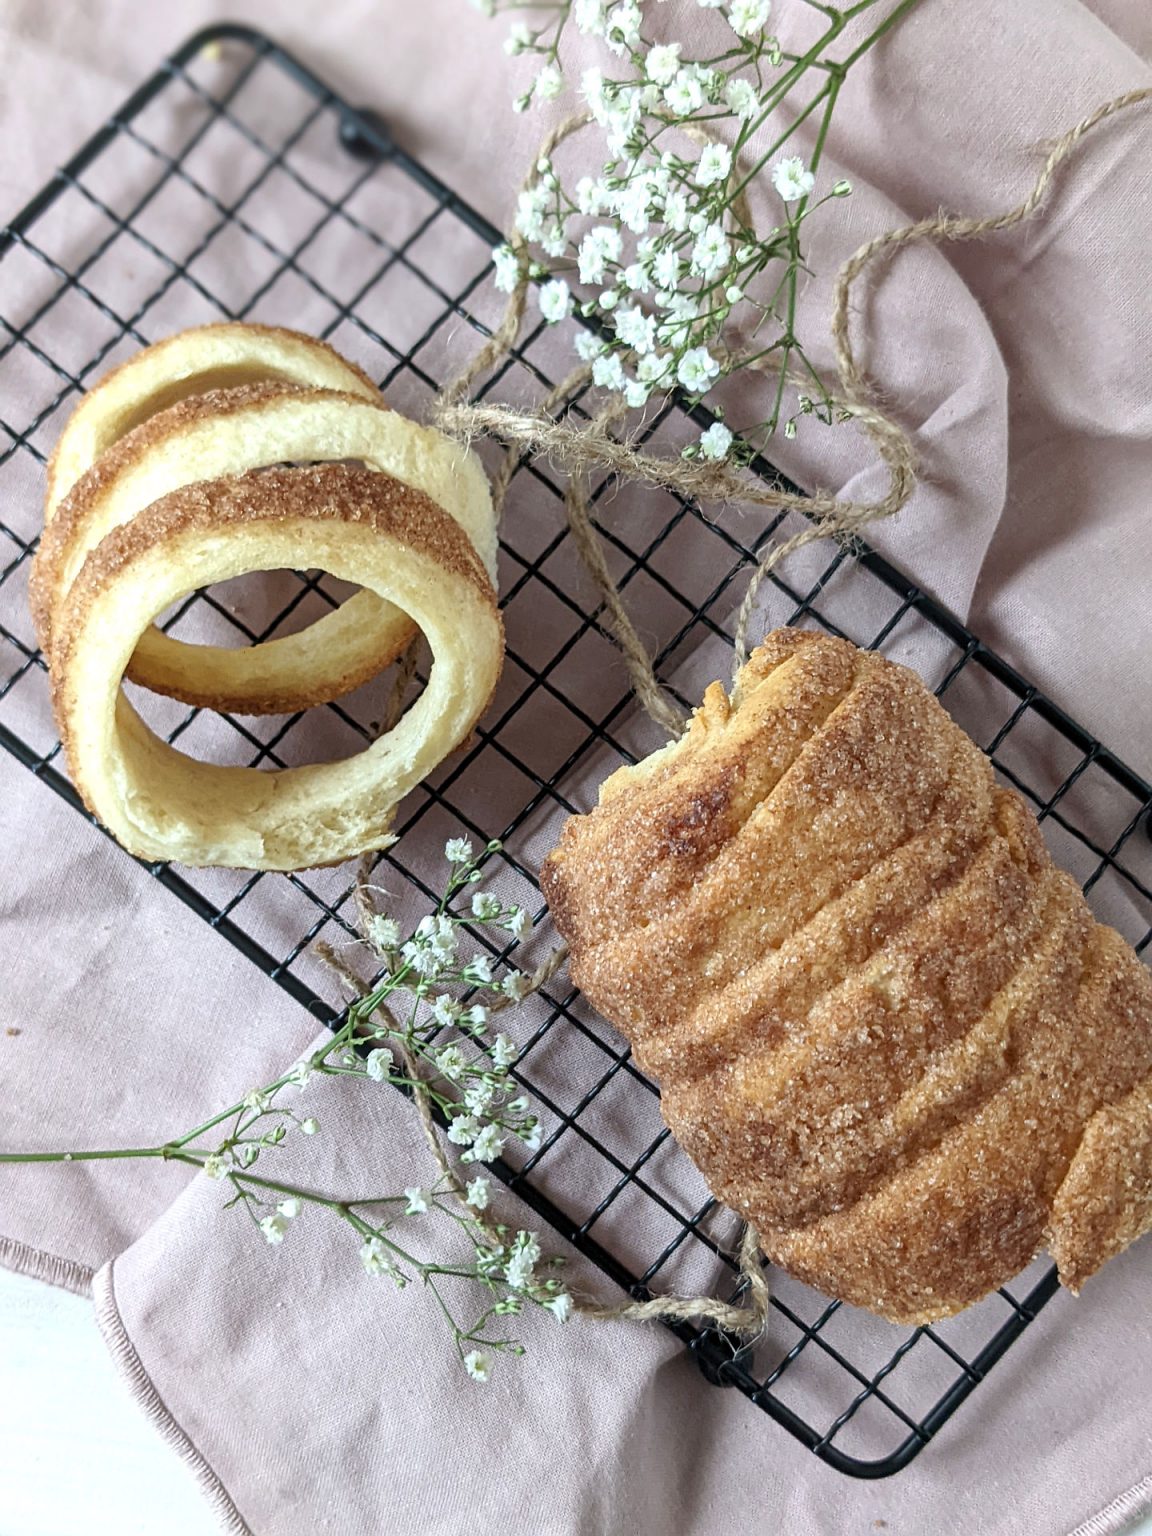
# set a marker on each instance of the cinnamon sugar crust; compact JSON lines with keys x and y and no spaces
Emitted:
{"x":886,"y":1027}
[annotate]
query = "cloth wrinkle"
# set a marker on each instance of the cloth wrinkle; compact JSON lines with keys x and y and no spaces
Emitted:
{"x":320,"y":1404}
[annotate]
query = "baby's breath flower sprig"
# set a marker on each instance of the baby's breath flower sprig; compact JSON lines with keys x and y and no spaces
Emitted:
{"x":443,"y":1048}
{"x":685,"y":291}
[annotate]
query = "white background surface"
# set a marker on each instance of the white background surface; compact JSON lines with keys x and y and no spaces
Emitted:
{"x":77,"y":1457}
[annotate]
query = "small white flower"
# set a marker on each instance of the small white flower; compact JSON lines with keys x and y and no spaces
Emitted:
{"x":417,"y":1201}
{"x":382,"y":932}
{"x":662,"y":63}
{"x":684,"y":94}
{"x":478,"y":1193}
{"x":216,"y":1165}
{"x":621,"y":120}
{"x":301,"y":1073}
{"x":478,"y":1096}
{"x":676,"y":211}
{"x":478,"y":1366}
{"x":792,"y":179}
{"x":516,"y":986}
{"x":507,"y":266}
{"x":635,"y":278}
{"x":549,"y":83}
{"x":634,"y":205}
{"x":713,"y":165}
{"x":533,"y":1138}
{"x":425,"y":962}
{"x":256,"y":1099}
{"x":503,"y":1052}
{"x":594,"y":88}
{"x":432,"y":948}
{"x":531,"y":206}
{"x":666,"y":268}
{"x":590,"y":196}
{"x":711,"y":252}
{"x":518,"y":1274}
{"x":310,"y":1126}
{"x":649,"y":97}
{"x":374,"y":1257}
{"x":379,"y":1064}
{"x":733,"y":293}
{"x":438,"y":931}
{"x":599,"y":246}
{"x":519,"y":923}
{"x":748,"y":16}
{"x":450,"y":1061}
{"x":517,"y":40}
{"x":715,"y":443}
{"x":560,"y":1306}
{"x":485,"y":906}
{"x":609,"y":299}
{"x":697,"y":369}
{"x":488,"y":1145}
{"x":289,"y":1208}
{"x":476,"y":1017}
{"x":636,"y":394}
{"x":554,"y":240}
{"x":458,"y":850}
{"x":742,"y":98}
{"x":654,"y":367}
{"x":608,"y":372}
{"x":555,"y":300}
{"x":636,"y":329}
{"x":589,"y":346}
{"x":479,"y":969}
{"x":523,"y":1259}
{"x":446,"y":1010}
{"x":274,"y":1228}
{"x":623,"y":29}
{"x":589,"y":16}
{"x":463,"y":1130}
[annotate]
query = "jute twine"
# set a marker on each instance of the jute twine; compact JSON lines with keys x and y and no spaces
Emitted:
{"x":578,"y":450}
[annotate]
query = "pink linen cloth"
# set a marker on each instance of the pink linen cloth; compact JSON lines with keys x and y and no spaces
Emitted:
{"x":310,"y":1402}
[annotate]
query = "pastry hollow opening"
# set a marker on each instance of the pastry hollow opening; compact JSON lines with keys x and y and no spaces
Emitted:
{"x":254,"y":608}
{"x":326,"y":733}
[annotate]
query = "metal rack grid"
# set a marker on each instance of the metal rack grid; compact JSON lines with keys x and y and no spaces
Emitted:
{"x":234,"y":184}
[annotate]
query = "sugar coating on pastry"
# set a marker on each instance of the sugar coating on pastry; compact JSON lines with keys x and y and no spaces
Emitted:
{"x":886,"y":1026}
{"x":359,"y":524}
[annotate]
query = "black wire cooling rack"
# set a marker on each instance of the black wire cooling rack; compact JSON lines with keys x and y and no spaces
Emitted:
{"x":234,"y":184}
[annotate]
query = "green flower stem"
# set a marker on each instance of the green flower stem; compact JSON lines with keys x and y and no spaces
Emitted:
{"x":897,"y":13}
{"x":778,"y":144}
{"x":782,"y":86}
{"x":169,"y":1152}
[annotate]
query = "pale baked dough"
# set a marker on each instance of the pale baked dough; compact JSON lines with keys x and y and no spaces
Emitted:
{"x":227,"y":432}
{"x":361,"y":526}
{"x":220,"y":356}
{"x":886,"y":1027}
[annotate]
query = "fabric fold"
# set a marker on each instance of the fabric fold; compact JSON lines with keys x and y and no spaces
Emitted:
{"x":305,"y":1399}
